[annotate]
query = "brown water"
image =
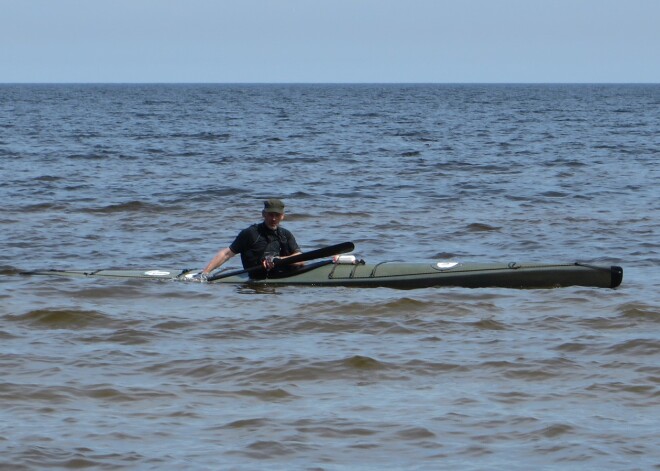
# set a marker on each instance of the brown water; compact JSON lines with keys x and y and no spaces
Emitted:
{"x":114,"y":374}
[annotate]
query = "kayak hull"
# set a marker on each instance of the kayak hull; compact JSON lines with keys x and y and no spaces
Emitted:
{"x":401,"y":275}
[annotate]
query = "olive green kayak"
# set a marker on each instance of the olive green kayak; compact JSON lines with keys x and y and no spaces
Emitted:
{"x":395,"y":275}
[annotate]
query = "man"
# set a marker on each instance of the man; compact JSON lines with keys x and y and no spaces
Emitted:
{"x":259,"y":243}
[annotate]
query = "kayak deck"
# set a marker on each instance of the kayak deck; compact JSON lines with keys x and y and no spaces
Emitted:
{"x":400,"y":275}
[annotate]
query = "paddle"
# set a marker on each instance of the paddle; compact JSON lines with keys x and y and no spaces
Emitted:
{"x":301,"y":257}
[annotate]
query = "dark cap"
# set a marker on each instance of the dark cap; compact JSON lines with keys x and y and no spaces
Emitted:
{"x":274,"y":206}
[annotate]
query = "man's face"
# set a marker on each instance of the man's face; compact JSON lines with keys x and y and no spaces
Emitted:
{"x":272,"y":220}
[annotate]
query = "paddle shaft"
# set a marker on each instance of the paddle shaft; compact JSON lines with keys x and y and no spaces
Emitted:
{"x":301,"y":257}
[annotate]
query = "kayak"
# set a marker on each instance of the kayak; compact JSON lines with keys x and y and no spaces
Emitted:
{"x":394,"y":275}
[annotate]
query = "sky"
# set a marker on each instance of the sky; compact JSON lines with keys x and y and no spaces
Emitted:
{"x":330,"y":41}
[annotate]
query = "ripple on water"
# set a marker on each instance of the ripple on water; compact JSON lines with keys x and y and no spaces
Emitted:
{"x":62,"y":319}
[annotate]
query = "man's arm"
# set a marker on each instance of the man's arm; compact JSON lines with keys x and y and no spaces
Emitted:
{"x":221,"y":257}
{"x":270,"y":264}
{"x":297,"y":264}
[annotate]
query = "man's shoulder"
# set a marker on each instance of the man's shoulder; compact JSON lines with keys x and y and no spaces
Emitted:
{"x":285,"y":231}
{"x":250,"y":230}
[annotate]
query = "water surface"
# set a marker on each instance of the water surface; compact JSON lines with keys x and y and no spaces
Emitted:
{"x":158,"y":375}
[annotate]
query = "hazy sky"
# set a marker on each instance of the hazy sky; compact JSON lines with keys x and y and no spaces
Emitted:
{"x":330,"y":41}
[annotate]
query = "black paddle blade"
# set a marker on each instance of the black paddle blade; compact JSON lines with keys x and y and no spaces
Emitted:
{"x":302,"y":257}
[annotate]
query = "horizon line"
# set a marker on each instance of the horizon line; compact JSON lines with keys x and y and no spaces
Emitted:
{"x":321,"y":83}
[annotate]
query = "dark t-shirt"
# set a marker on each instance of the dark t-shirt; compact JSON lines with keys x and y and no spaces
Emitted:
{"x":258,"y":240}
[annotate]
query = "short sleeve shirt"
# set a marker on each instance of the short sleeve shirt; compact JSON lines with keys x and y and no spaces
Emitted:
{"x":258,"y":240}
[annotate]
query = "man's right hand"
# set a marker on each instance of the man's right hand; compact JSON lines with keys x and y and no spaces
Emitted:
{"x":269,"y":263}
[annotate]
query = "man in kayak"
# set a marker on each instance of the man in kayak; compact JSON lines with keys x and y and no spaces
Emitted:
{"x":259,"y":243}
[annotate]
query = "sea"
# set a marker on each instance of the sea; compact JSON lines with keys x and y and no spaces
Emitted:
{"x":157,"y":375}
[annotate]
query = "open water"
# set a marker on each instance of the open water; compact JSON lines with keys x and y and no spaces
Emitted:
{"x":112,"y":374}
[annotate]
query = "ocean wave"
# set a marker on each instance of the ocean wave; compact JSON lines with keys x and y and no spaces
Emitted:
{"x":62,"y":319}
{"x":135,"y":206}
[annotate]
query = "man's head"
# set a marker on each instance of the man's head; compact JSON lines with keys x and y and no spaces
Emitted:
{"x":273,"y":212}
